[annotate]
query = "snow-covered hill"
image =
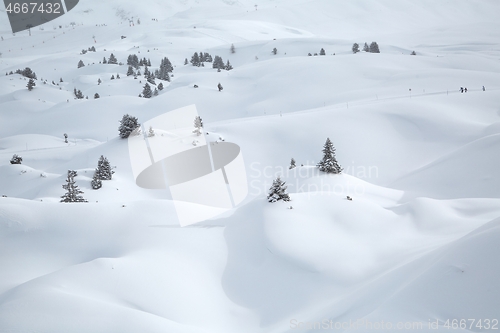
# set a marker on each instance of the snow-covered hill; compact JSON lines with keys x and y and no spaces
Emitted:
{"x":417,"y":244}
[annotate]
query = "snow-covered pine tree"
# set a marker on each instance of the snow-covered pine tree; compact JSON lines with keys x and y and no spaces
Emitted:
{"x":127,"y":125}
{"x":96,"y":96}
{"x":151,"y":132}
{"x":104,"y":61}
{"x":232,"y":49}
{"x":218,"y":63}
{"x":130,"y":70}
{"x":198,"y":125}
{"x":195,"y":60}
{"x":73,"y":192}
{"x":228,"y":66}
{"x":160,"y":86}
{"x":292,"y":164}
{"x":219,"y":86}
{"x":146,"y":91}
{"x":16,"y":159}
{"x":81,"y":64}
{"x":186,"y":61}
{"x":151,"y":79}
{"x":31,"y":84}
{"x":104,"y":169}
{"x":99,"y":81}
{"x":96,"y":183}
{"x":112,"y":77}
{"x":278,"y":191}
{"x":355,"y":48}
{"x":366,"y":48}
{"x":322,"y":52}
{"x":112,"y":59}
{"x":275,"y":51}
{"x":374,"y":48}
{"x":329,"y":163}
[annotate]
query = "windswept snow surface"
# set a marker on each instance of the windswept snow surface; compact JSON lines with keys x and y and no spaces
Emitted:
{"x":416,"y":248}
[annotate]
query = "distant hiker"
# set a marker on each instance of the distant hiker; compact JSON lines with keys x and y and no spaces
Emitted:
{"x":484,"y":89}
{"x":465,"y":89}
{"x":462,"y":89}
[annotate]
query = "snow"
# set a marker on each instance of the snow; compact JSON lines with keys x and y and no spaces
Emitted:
{"x":417,"y":243}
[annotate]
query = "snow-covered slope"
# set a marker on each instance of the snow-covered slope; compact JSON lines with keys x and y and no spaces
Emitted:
{"x":417,"y":244}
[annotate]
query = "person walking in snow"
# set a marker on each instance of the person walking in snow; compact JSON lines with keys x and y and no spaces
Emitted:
{"x":462,"y":90}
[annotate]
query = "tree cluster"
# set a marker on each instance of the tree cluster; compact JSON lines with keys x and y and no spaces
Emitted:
{"x":372,"y":48}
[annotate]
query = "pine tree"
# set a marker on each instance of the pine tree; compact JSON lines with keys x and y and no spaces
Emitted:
{"x":112,"y":77}
{"x":195,"y":60}
{"x":99,"y":81}
{"x":219,"y":86}
{"x":104,"y":61}
{"x":292,"y":164}
{"x":160,"y":86}
{"x":73,"y":192}
{"x":130,"y":70}
{"x":232,"y":49}
{"x":413,"y":53}
{"x":355,"y":48}
{"x":112,"y":59}
{"x":16,"y":159}
{"x":96,"y":96}
{"x":31,"y":84}
{"x":151,"y":132}
{"x":127,"y":125}
{"x":218,"y":63}
{"x":103,"y":170}
{"x":149,"y":62}
{"x":96,"y":183}
{"x":228,"y":66}
{"x":278,"y":191}
{"x":374,"y":48}
{"x":198,"y":125}
{"x":151,"y":79}
{"x":322,"y":52}
{"x":275,"y":51}
{"x":146,"y":91}
{"x":366,"y":48}
{"x":186,"y":61}
{"x":81,"y":64}
{"x":329,"y":163}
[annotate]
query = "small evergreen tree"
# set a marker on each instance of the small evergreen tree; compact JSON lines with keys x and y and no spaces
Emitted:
{"x":322,"y":52}
{"x":151,"y":132}
{"x":96,"y":183}
{"x":278,"y":191}
{"x":104,"y":61}
{"x":292,"y":164}
{"x":413,"y":53}
{"x":96,"y":96}
{"x":186,"y":61}
{"x":31,"y":84}
{"x":127,"y":125}
{"x":112,"y":59}
{"x":73,"y":192}
{"x":103,"y":170}
{"x":112,"y":77}
{"x":232,"y":49}
{"x":160,"y":86}
{"x":366,"y":48}
{"x":218,"y":63}
{"x":195,"y":60}
{"x":355,"y":48}
{"x":228,"y":66}
{"x":81,"y":64}
{"x":146,"y":91}
{"x":275,"y":51}
{"x":374,"y":48}
{"x":219,"y":86}
{"x":329,"y":163}
{"x":16,"y":159}
{"x":198,"y":125}
{"x":99,"y":81}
